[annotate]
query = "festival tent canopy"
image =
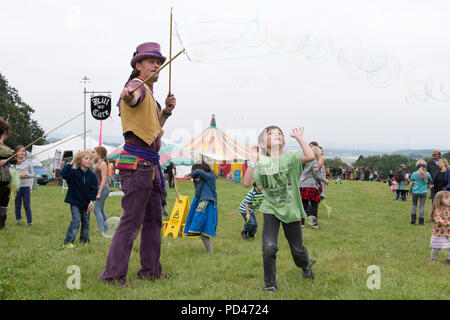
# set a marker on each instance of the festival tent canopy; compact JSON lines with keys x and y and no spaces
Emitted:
{"x":215,"y":144}
{"x":176,"y":154}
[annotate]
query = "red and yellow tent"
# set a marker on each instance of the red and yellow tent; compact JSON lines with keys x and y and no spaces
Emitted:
{"x":216,"y":144}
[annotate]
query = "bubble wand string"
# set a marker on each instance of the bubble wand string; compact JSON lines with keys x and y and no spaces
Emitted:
{"x":58,"y":144}
{"x":46,"y":134}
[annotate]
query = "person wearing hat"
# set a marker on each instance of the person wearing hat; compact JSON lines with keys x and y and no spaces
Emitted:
{"x":142,"y":182}
{"x":433,"y":168}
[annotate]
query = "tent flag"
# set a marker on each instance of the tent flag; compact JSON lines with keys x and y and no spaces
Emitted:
{"x":214,"y":141}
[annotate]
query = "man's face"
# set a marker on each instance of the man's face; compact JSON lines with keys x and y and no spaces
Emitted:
{"x":146,"y":68}
{"x":436,"y":155}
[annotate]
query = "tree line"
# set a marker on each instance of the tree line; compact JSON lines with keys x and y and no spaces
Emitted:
{"x":24,"y":129}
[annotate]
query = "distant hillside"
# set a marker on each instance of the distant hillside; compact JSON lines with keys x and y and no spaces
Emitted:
{"x":417,"y":154}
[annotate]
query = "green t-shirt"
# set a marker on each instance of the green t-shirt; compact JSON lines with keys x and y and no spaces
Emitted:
{"x":279,"y":178}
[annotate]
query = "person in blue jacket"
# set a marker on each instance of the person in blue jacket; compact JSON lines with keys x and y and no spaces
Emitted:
{"x":202,"y":217}
{"x":420,"y":180}
{"x":82,"y":191}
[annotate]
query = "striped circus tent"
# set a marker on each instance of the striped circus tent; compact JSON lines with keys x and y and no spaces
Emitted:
{"x":176,"y":154}
{"x":215,"y":144}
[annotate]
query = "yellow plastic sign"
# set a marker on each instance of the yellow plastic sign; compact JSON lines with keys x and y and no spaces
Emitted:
{"x":177,"y":217}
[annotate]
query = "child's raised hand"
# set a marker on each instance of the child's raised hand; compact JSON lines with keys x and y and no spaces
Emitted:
{"x":297,"y":132}
{"x":74,"y":158}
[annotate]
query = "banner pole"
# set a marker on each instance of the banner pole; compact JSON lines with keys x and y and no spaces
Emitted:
{"x":100,"y":136}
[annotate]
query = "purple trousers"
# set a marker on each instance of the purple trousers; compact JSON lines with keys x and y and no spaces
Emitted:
{"x":142,"y":205}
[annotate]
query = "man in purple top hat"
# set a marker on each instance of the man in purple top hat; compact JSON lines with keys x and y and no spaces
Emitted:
{"x":143,"y":186}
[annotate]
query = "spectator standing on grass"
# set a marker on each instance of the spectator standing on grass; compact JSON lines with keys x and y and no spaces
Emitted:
{"x":310,"y":186}
{"x":390,"y":177}
{"x":394,"y":186}
{"x":25,"y":170}
{"x":82,"y":191}
{"x":101,"y":172}
{"x":5,"y":177}
{"x":362,"y":174}
{"x":420,"y":180}
{"x":171,"y":172}
{"x":376,"y":173}
{"x":367,"y":174}
{"x":441,"y":181}
{"x":433,"y":168}
{"x":401,"y":179}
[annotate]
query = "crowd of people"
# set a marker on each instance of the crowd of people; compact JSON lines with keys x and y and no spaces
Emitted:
{"x":286,"y":186}
{"x":353,"y":173}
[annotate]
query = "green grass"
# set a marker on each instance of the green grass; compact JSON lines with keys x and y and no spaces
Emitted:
{"x":367,"y":227}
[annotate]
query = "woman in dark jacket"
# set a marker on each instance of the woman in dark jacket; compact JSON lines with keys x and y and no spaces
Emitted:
{"x":441,"y":180}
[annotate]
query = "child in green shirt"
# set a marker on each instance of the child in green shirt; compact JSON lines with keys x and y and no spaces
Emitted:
{"x":278,"y":173}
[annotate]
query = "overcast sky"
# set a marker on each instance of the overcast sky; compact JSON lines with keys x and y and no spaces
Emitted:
{"x":372,"y":74}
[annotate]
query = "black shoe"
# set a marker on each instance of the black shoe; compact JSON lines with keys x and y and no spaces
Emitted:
{"x":244,"y":235}
{"x":413,"y":219}
{"x":308,"y":273}
{"x":421,"y":221}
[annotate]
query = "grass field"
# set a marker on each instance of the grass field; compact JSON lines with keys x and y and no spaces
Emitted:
{"x":367,"y":227}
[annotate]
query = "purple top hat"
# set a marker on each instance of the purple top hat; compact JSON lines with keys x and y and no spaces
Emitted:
{"x":147,"y":50}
